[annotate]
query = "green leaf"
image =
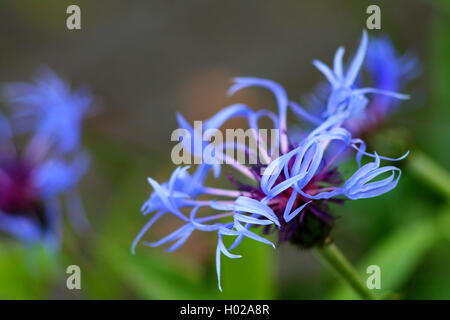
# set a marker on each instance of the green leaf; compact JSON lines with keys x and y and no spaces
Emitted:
{"x":431,"y":172}
{"x":443,"y":223}
{"x":397,"y":255}
{"x":26,"y":272}
{"x":252,"y":276}
{"x":153,"y":276}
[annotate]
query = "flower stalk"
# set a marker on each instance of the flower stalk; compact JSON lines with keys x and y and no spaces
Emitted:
{"x":334,"y":257}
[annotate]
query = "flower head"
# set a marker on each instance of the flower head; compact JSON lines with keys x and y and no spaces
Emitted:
{"x":290,"y":192}
{"x":34,"y":175}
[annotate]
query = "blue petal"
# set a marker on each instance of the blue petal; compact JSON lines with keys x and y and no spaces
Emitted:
{"x":327,"y":72}
{"x":221,"y":249}
{"x":54,"y":177}
{"x":144,"y":229}
{"x":180,"y":241}
{"x":164,"y":196}
{"x":273,"y":171}
{"x":246,"y":219}
{"x":255,"y":116}
{"x":197,"y":142}
{"x":177,"y":234}
{"x":338,"y":63}
{"x":359,"y":185}
{"x":287,"y":215}
{"x":250,"y":234}
{"x":179,"y":172}
{"x":230,"y":112}
{"x":200,"y":226}
{"x":20,"y":227}
{"x":392,"y":94}
{"x":277,"y":90}
{"x":56,"y":111}
{"x":357,"y":61}
{"x":222,"y":206}
{"x":250,"y":205}
{"x":279,"y":188}
{"x":5,"y":128}
{"x":302,"y":113}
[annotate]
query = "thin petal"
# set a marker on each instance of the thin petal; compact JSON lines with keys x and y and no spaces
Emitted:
{"x":302,"y":113}
{"x":144,"y":229}
{"x":164,"y":197}
{"x":293,"y":214}
{"x":171,"y":237}
{"x":326,"y":71}
{"x":180,"y":241}
{"x":226,"y":114}
{"x":250,"y":205}
{"x":357,"y":61}
{"x":392,"y":94}
{"x":251,"y":235}
{"x":338,"y":63}
{"x":246,"y":219}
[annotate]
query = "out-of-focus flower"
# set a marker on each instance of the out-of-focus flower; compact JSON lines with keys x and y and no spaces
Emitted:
{"x":55,"y":112}
{"x":291,"y":192}
{"x":36,"y":175}
{"x":388,"y":72}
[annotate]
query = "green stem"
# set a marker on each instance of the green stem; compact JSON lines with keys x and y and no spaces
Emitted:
{"x":345,"y":270}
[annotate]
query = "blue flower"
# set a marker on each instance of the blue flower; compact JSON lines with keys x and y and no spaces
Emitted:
{"x":37,"y":174}
{"x":389,"y":72}
{"x":55,"y":110}
{"x":291,"y":192}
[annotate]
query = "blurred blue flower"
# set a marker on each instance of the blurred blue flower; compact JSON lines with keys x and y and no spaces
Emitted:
{"x":388,"y":72}
{"x":54,"y":110}
{"x":36,"y":175}
{"x":346,"y":100}
{"x":290,"y":194}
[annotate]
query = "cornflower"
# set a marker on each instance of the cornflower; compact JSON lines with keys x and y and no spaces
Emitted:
{"x":41,"y":159}
{"x":290,"y":192}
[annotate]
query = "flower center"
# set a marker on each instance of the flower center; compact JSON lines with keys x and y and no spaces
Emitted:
{"x":17,"y":194}
{"x":312,"y":226}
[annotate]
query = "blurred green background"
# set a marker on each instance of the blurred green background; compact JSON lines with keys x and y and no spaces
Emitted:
{"x":146,"y":60}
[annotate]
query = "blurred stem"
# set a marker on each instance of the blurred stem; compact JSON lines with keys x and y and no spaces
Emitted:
{"x":431,"y":172}
{"x":334,"y":257}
